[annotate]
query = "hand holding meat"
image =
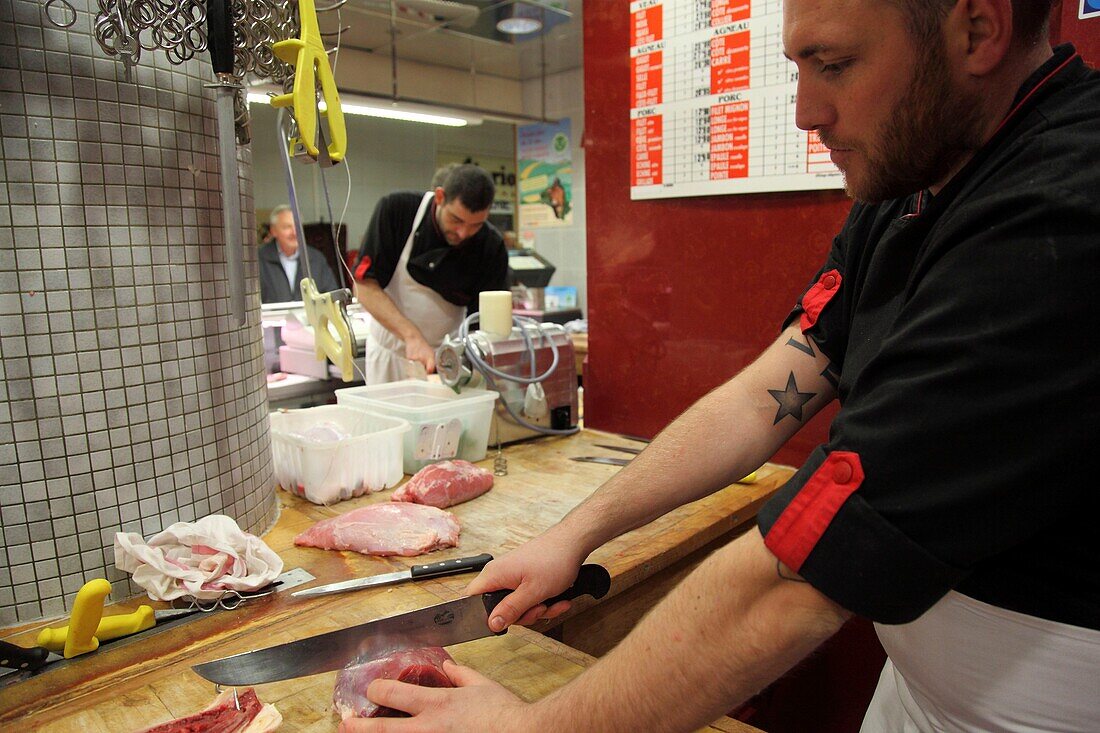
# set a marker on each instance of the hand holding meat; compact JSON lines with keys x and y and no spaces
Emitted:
{"x":539,"y":569}
{"x":418,"y":349}
{"x":446,"y":710}
{"x":423,"y":667}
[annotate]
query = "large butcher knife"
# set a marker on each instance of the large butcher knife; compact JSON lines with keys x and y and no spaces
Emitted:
{"x":443,"y":624}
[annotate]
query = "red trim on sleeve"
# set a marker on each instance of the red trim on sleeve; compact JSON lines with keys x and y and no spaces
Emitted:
{"x":817,"y":297}
{"x":797,"y":530}
{"x":362,"y":267}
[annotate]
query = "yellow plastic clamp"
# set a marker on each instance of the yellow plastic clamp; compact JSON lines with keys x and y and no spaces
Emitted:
{"x":307,"y":55}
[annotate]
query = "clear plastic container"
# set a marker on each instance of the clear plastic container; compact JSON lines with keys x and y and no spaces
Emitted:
{"x":445,"y":425}
{"x":330,"y":470}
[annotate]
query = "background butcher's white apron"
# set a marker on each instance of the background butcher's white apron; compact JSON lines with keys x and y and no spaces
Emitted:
{"x":430,"y":311}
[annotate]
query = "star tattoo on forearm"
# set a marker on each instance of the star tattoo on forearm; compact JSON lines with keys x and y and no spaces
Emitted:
{"x":790,"y":400}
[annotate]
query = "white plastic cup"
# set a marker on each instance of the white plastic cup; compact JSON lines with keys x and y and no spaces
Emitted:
{"x":495,"y":307}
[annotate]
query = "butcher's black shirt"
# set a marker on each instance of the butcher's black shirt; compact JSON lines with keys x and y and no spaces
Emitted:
{"x":457,"y":273}
{"x":963,"y":454}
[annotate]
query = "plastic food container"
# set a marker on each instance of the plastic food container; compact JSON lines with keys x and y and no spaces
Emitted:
{"x":309,"y":462}
{"x":444,"y":424}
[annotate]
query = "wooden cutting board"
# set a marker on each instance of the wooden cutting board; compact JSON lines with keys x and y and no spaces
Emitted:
{"x":138,"y":674}
{"x":524,"y":661}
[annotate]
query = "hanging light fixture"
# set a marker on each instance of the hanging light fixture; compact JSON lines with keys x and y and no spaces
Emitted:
{"x":520,"y":19}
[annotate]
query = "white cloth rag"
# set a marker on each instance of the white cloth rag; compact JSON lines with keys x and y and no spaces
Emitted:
{"x":202,"y":559}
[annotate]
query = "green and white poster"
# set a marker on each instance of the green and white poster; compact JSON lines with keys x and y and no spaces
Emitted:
{"x":545,"y":158}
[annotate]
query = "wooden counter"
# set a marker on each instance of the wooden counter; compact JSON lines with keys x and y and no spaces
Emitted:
{"x":148,"y":677}
{"x":524,"y":661}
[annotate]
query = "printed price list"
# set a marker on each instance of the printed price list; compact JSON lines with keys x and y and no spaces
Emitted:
{"x":713,"y":102}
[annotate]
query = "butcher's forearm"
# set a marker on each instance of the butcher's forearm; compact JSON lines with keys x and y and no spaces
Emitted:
{"x":724,"y":436}
{"x":705,"y":449}
{"x":729,"y":629}
{"x":374,"y":299}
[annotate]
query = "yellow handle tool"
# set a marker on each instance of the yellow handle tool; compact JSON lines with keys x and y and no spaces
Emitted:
{"x":332,"y":336}
{"x":84,"y":620}
{"x":307,"y":55}
{"x":110,"y":627}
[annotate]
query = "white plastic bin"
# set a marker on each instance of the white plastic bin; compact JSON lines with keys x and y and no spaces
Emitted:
{"x":444,"y":424}
{"x":328,"y":472}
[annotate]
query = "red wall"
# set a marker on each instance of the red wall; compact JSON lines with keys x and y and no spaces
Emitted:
{"x":683,"y":293}
{"x":1085,"y":34}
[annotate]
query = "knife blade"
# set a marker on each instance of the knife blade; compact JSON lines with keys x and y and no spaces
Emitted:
{"x":444,"y":624}
{"x":416,"y":572}
{"x":621,"y":448}
{"x":601,"y":459}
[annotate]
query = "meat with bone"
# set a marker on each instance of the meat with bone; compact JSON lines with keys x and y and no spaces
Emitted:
{"x":422,"y":667}
{"x":385,"y":529}
{"x":242,"y":714}
{"x":445,"y":484}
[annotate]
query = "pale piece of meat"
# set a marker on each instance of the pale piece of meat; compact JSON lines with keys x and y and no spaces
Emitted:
{"x":245,"y":715}
{"x":392,"y":528}
{"x":445,"y":484}
{"x":422,"y":667}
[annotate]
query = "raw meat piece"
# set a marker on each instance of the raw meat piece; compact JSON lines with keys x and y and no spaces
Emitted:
{"x":385,"y":529}
{"x":422,"y":667}
{"x":223,"y":716}
{"x":445,"y":484}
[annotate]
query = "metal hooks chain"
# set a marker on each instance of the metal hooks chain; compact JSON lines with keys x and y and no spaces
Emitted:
{"x":258,"y":25}
{"x":124,"y":28}
{"x":178,"y":27}
{"x":59,"y":13}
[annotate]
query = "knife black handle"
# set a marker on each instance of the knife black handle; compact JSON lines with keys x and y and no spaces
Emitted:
{"x":18,"y":657}
{"x":592,"y":580}
{"x":219,"y":35}
{"x":450,"y":567}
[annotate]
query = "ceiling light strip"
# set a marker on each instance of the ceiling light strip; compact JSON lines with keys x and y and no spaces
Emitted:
{"x":391,"y":113}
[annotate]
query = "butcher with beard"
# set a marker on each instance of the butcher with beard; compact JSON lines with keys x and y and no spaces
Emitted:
{"x":954,"y":500}
{"x":426,"y":258}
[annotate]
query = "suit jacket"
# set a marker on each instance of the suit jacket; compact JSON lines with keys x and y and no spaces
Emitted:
{"x":274,"y":286}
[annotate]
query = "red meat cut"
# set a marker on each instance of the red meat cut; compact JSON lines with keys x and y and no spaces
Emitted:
{"x":445,"y":484}
{"x":246,"y":714}
{"x":385,"y":529}
{"x":422,"y":667}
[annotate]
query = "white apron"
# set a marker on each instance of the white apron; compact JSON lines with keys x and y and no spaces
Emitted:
{"x":427,"y":309}
{"x":968,"y":667}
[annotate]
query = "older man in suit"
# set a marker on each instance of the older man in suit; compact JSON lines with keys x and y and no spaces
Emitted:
{"x":280,"y":273}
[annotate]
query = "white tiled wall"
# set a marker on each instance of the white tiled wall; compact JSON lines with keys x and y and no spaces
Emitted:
{"x":128,"y":398}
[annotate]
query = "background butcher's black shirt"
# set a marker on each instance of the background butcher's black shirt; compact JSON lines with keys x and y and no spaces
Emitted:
{"x":457,"y":273}
{"x":969,"y":358}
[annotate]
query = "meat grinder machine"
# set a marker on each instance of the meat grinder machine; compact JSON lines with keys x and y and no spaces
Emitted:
{"x":533,"y":370}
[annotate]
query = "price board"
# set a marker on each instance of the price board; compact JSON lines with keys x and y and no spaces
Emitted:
{"x":713,"y":103}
